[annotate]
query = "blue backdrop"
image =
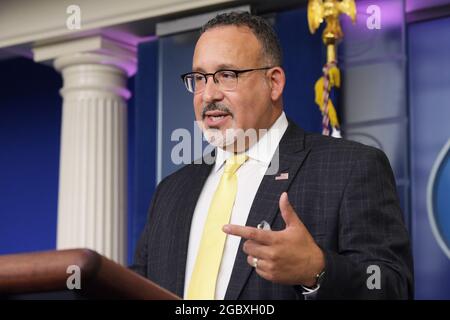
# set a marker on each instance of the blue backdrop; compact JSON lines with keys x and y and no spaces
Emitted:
{"x":30,"y":117}
{"x":429,"y":96}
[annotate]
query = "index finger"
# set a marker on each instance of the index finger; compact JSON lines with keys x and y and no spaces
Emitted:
{"x":250,"y":233}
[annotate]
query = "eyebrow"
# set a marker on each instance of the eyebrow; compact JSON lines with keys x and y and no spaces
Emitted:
{"x":219,"y":67}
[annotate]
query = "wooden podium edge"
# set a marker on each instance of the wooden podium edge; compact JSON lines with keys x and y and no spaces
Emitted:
{"x":100,"y":277}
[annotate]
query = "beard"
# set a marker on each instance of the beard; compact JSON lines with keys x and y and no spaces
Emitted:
{"x":233,"y":138}
{"x":221,"y":138}
{"x":215,"y":136}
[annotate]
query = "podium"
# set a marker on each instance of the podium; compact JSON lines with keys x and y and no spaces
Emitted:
{"x":73,"y":274}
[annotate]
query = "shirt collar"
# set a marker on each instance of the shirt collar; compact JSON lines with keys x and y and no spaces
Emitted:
{"x":263,"y":150}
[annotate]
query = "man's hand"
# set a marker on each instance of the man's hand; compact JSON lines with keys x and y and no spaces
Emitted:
{"x":290,"y":256}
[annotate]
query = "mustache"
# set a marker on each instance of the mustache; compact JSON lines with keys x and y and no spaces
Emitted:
{"x":215,"y":107}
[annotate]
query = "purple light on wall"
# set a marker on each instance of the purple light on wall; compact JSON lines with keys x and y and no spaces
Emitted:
{"x":363,"y":40}
{"x":126,"y":37}
{"x":132,"y":40}
{"x":413,"y":5}
{"x":391,"y":15}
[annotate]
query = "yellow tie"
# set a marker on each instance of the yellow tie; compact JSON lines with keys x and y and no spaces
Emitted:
{"x":204,"y":276}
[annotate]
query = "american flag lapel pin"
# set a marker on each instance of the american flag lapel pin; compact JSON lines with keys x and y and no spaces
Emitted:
{"x":282,"y":176}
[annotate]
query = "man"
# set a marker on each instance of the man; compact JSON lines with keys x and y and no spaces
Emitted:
{"x":326,"y":225}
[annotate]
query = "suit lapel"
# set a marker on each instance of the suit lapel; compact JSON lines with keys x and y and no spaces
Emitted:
{"x":183,"y":221}
{"x":291,"y":154}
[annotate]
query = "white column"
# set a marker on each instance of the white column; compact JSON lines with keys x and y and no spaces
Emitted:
{"x":92,"y":201}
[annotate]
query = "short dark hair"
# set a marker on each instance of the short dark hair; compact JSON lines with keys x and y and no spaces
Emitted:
{"x":260,"y":28}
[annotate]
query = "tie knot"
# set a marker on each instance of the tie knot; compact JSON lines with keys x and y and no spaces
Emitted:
{"x":233,"y":163}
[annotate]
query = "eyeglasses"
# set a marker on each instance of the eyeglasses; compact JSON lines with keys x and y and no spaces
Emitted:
{"x":227,"y":80}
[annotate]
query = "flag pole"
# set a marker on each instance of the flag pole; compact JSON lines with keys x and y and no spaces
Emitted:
{"x":329,"y":10}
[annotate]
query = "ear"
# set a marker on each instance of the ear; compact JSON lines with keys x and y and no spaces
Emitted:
{"x":277,"y":79}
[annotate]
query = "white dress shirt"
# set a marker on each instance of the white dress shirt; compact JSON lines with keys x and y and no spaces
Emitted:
{"x":249,"y":175}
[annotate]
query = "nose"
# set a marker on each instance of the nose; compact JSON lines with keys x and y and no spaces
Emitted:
{"x":211,"y":93}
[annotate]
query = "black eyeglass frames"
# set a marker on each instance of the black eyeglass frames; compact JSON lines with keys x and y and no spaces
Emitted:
{"x":226,"y":79}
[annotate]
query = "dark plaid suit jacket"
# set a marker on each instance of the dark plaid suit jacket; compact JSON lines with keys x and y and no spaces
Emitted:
{"x":344,"y":193}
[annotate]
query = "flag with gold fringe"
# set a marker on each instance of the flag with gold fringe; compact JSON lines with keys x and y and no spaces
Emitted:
{"x":329,"y":10}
